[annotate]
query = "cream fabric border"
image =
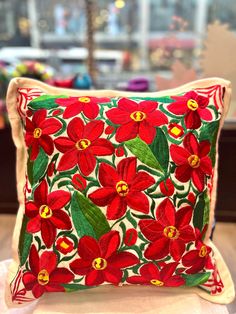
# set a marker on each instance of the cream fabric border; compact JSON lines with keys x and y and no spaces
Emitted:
{"x":17,"y":134}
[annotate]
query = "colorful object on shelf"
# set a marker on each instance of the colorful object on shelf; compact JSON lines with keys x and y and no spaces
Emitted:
{"x":33,"y":69}
{"x":110,"y":195}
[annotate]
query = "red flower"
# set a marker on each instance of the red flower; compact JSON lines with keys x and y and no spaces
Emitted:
{"x":46,"y":214}
{"x":167,"y":187}
{"x":100,"y":260}
{"x":192,"y":161}
{"x":82,"y":145}
{"x":64,"y":245}
{"x":131,"y":237}
{"x":169,"y":232}
{"x":38,"y":131}
{"x":175,"y":130}
{"x":197,"y":259}
{"x":88,"y":105}
{"x":122,"y":187}
{"x":193,"y":106}
{"x":79,"y":182}
{"x":136,"y":119}
{"x":44,"y":275}
{"x":151,"y":275}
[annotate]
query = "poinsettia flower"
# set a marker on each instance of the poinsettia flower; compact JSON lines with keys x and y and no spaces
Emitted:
{"x":169,"y":232}
{"x":82,"y":145}
{"x":37,"y":133}
{"x":136,"y":119}
{"x":46,"y":214}
{"x":88,"y":105}
{"x":64,"y":245}
{"x":199,"y":258}
{"x":151,"y":275}
{"x":122,"y":187}
{"x":100,"y":260}
{"x":192,"y":161}
{"x":194,"y":108}
{"x":45,"y":276}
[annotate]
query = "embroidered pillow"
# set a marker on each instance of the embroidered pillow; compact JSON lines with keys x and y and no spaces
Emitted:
{"x":115,"y":188}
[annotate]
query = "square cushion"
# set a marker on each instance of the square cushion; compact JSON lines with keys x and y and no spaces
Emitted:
{"x":116,"y":188}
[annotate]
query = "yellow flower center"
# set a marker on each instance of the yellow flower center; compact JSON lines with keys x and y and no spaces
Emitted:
{"x":84,"y":99}
{"x":176,"y":131}
{"x":122,"y":188}
{"x":192,"y":104}
{"x":138,"y":116}
{"x":37,"y":133}
{"x":99,"y":263}
{"x":45,"y":211}
{"x":83,"y":144}
{"x":157,"y":282}
{"x":203,"y":251}
{"x":43,"y":277}
{"x":194,"y":161}
{"x":171,"y":232}
{"x":64,"y":245}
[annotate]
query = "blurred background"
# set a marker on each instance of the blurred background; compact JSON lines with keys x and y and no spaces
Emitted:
{"x":137,"y":45}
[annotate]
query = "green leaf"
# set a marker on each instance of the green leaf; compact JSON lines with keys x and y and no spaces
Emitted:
{"x":81,"y":224}
{"x":44,"y":102}
{"x":74,"y":287}
{"x":30,"y":169}
{"x":160,"y":149}
{"x":196,"y":279}
{"x":40,"y":165}
{"x":164,"y":100}
{"x":143,"y":152}
{"x":87,"y":217}
{"x":201,"y":211}
{"x":24,"y":242}
{"x":131,"y":219}
{"x":209,"y":132}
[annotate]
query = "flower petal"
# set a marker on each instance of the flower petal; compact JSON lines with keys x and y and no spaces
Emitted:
{"x":174,"y":281}
{"x":179,"y":107}
{"x":50,"y":126}
{"x":101,"y":147}
{"x":116,"y":208}
{"x":150,"y":271}
{"x":88,"y":248}
{"x":64,"y":144}
{"x":127,"y":131}
{"x":34,"y":260}
{"x":138,"y":201}
{"x":46,"y":143}
{"x":190,"y":258}
{"x":204,"y":148}
{"x":168,"y":270}
{"x":31,"y":209}
{"x":137,"y":280}
{"x":183,"y":173}
{"x":177,"y":248}
{"x":94,"y":278}
{"x":112,"y":275}
{"x":191,"y":144}
{"x":58,"y":199}
{"x":80,"y":266}
{"x":75,"y":129}
{"x":48,"y":261}
{"x":206,"y":165}
{"x":192,"y":120}
{"x":147,"y":132}
{"x":142,"y":181}
{"x":179,"y":154}
{"x":123,"y":260}
{"x":93,"y":130}
{"x":183,"y":216}
{"x":108,"y":176}
{"x":118,"y":116}
{"x":109,"y":243}
{"x":187,"y":234}
{"x":86,"y":161}
{"x":157,"y":118}
{"x":151,"y":229}
{"x":39,"y":116}
{"x":158,"y":249}
{"x":103,"y":196}
{"x":72,"y":110}
{"x":68,"y":160}
{"x":61,"y":275}
{"x":91,"y":109}
{"x":61,"y":220}
{"x":34,"y":224}
{"x":29,"y":280}
{"x":41,"y":192}
{"x":198,"y":178}
{"x":127,"y":105}
{"x":205,"y":114}
{"x":38,"y":290}
{"x":126,"y":169}
{"x":165,"y":213}
{"x":147,"y":106}
{"x":48,"y":232}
